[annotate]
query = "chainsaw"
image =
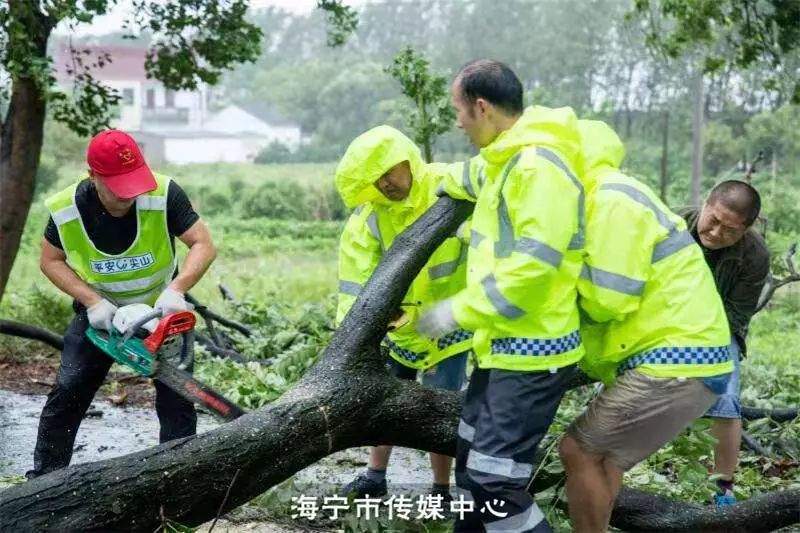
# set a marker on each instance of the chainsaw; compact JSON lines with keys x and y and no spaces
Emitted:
{"x":161,"y":348}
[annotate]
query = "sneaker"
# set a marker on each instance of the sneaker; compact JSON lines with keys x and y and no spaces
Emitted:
{"x":362,"y":486}
{"x":724,"y":500}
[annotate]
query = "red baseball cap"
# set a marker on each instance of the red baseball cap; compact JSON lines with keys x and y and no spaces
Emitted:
{"x":116,"y":160}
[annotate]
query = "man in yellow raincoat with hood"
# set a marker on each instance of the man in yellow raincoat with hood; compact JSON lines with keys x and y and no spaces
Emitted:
{"x":382,"y":175}
{"x":527,"y":234}
{"x":661,"y":336}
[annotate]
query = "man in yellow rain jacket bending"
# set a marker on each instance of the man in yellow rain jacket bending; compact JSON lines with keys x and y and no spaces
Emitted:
{"x":662,"y":336}
{"x":382,"y":175}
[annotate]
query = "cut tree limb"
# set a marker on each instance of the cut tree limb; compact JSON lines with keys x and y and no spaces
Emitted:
{"x":778,"y":415}
{"x":27,"y":331}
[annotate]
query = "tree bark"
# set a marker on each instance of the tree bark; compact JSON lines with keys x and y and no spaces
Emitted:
{"x":347,"y":399}
{"x":21,"y":135}
{"x":640,"y":511}
{"x":697,"y":139}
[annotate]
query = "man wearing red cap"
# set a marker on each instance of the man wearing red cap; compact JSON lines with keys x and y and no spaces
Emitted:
{"x":110,"y":242}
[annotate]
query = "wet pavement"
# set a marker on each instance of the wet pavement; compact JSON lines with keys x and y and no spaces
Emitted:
{"x":110,"y":431}
{"x":122,"y":430}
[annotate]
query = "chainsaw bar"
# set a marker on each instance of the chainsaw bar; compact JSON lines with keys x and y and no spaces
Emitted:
{"x":195,"y":391}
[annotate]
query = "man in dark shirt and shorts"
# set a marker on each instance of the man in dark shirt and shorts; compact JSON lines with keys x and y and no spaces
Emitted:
{"x":739,"y":260}
{"x":110,"y":242}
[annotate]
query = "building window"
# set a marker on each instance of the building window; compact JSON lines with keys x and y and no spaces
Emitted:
{"x":169,"y":98}
{"x":151,"y":98}
{"x":127,"y":96}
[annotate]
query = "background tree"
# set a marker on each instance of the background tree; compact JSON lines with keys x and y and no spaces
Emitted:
{"x":432,"y":114}
{"x":736,"y":33}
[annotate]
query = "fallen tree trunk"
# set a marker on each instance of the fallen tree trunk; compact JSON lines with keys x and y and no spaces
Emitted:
{"x":641,"y":511}
{"x":347,"y":399}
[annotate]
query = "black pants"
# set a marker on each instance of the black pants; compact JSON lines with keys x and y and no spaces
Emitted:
{"x":505,"y":416}
{"x":82,"y":371}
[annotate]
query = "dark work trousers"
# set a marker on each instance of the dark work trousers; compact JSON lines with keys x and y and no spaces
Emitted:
{"x":505,"y":416}
{"x":83,"y":369}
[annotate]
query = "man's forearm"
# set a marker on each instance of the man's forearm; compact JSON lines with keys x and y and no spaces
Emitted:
{"x":63,"y":277}
{"x":197,"y":261}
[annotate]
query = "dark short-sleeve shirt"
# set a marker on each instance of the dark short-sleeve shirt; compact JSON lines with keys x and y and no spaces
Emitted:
{"x":740,"y":272}
{"x":114,"y":235}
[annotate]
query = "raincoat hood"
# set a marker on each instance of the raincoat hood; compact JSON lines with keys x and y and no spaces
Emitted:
{"x":370,"y":156}
{"x":540,"y":126}
{"x":601,"y":148}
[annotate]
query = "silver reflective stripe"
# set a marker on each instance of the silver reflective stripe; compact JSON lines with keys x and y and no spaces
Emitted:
{"x":610,"y":280}
{"x":151,"y":203}
{"x":578,"y":239}
{"x":505,"y":242}
{"x":137,"y":284}
{"x":465,"y":431}
{"x":503,"y":306}
{"x":349,"y":287}
{"x":675,"y":242}
{"x":358,"y":209}
{"x":372,"y":224}
{"x":539,"y":250}
{"x":481,"y":177}
{"x":518,"y":523}
{"x":475,"y":238}
{"x":62,"y":216}
{"x":638,"y":196}
{"x":466,"y":181}
{"x":443,"y":269}
{"x":498,"y":466}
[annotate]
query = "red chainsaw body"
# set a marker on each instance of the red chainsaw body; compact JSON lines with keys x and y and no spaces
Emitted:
{"x":170,"y":325}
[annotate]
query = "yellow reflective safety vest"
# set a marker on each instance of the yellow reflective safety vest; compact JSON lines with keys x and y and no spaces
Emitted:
{"x":372,"y":228}
{"x":137,"y":275}
{"x":526,"y":244}
{"x":644,"y":280}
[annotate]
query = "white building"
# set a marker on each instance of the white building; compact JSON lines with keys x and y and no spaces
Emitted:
{"x":178,"y":126}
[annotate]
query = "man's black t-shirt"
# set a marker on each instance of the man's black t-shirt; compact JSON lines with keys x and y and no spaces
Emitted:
{"x":114,"y":235}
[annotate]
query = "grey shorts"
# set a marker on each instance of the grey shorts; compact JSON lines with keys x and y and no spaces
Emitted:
{"x":636,"y":416}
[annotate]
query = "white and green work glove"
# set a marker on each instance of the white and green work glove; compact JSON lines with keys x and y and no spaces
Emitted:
{"x":101,"y":314}
{"x":437,"y":321}
{"x":171,"y":301}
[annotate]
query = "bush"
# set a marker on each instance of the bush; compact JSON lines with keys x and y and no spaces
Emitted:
{"x":326,"y":204}
{"x":46,"y":176}
{"x":318,"y":151}
{"x":275,"y":152}
{"x":281,"y":200}
{"x":216,"y":202}
{"x":782,"y":212}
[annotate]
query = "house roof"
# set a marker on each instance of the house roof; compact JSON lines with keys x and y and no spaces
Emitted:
{"x":127,"y":62}
{"x":267,"y":114}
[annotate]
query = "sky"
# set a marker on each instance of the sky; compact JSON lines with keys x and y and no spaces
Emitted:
{"x":113,"y":21}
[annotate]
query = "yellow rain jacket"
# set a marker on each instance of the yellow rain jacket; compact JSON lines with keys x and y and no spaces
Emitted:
{"x":525,"y":249}
{"x":643,"y":277}
{"x":372,"y":228}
